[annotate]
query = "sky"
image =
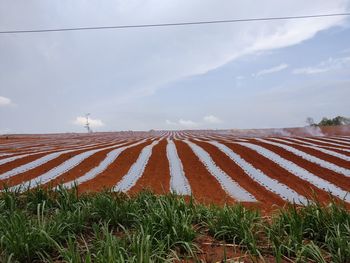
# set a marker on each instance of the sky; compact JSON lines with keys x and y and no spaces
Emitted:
{"x":266,"y":74}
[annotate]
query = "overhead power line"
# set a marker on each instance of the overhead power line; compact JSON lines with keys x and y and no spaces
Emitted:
{"x":172,"y":24}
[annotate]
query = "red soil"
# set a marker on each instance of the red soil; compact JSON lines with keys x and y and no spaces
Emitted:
{"x":237,"y":174}
{"x":323,"y":143}
{"x":31,"y":174}
{"x":204,"y":186}
{"x":331,"y":149}
{"x":11,"y":165}
{"x":115,"y":172}
{"x":319,"y":154}
{"x":84,"y":167}
{"x":273,"y":170}
{"x":157,"y":174}
{"x":329,"y":175}
{"x":343,"y":143}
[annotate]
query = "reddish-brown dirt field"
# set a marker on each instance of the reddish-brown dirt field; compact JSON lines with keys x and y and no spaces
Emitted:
{"x":88,"y":164}
{"x":324,"y":143}
{"x":321,"y":155}
{"x":204,"y":186}
{"x":275,"y":171}
{"x":26,"y":176}
{"x":11,"y":165}
{"x":335,"y":149}
{"x":238,"y":175}
{"x":112,"y":175}
{"x":156,"y":175}
{"x":331,"y":176}
{"x":343,"y":142}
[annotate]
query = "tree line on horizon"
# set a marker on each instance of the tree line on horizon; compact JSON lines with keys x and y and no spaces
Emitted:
{"x":336,"y":121}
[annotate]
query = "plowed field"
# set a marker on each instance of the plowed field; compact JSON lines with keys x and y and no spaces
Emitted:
{"x":213,"y":166}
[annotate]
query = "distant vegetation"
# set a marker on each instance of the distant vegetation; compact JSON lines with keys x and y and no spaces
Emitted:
{"x":339,"y":120}
{"x":63,"y":226}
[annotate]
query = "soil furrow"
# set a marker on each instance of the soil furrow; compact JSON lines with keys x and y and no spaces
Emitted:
{"x":203,"y":185}
{"x":115,"y":172}
{"x":237,"y":174}
{"x":275,"y":171}
{"x":42,"y":169}
{"x":156,"y":175}
{"x":329,"y":175}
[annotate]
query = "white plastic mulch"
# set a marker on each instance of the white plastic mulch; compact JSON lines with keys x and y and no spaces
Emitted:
{"x":136,"y":170}
{"x":314,"y":139}
{"x":178,"y":181}
{"x":318,"y":145}
{"x":61,"y":169}
{"x":231,"y":187}
{"x":310,"y":158}
{"x":102,"y":166}
{"x":329,"y":152}
{"x":257,"y":175}
{"x":299,"y":171}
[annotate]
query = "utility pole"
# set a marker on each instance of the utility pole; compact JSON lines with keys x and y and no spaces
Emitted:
{"x":87,"y":124}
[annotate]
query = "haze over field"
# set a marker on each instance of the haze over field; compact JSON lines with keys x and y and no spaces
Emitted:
{"x":242,"y":75}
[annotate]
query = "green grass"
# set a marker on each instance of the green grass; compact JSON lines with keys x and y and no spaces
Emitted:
{"x":43,"y":225}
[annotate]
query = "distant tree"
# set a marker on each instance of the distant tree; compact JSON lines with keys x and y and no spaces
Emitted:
{"x":310,"y":121}
{"x":325,"y":122}
{"x":339,"y":120}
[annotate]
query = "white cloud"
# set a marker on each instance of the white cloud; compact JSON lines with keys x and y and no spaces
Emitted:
{"x":325,"y":66}
{"x":212,"y":119}
{"x":5,"y":101}
{"x":310,"y":70}
{"x":94,"y":123}
{"x":183,"y":123}
{"x":272,"y":70}
{"x":188,"y":123}
{"x":168,"y":122}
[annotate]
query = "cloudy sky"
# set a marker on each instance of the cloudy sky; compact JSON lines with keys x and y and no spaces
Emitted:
{"x":240,"y":75}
